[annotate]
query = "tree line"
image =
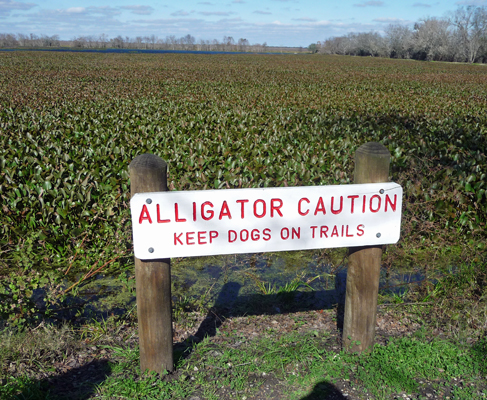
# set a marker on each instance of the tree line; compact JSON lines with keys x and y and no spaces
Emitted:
{"x":460,"y":36}
{"x":32,"y":40}
{"x":152,"y":42}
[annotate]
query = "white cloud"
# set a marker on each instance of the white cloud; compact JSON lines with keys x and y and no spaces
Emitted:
{"x":391,"y":20}
{"x":158,"y":22}
{"x":181,"y":13}
{"x":83,"y":21}
{"x":103,"y":10}
{"x":75,"y":20}
{"x":215,"y":13}
{"x":106,"y":11}
{"x":7,"y":6}
{"x":76,"y":10}
{"x":233,"y":21}
{"x":305,"y":19}
{"x":372,"y":3}
{"x":139,"y":10}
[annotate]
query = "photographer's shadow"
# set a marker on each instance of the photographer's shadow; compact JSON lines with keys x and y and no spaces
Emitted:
{"x":230,"y":304}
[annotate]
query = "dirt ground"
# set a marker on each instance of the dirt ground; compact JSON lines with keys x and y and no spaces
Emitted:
{"x":87,"y":364}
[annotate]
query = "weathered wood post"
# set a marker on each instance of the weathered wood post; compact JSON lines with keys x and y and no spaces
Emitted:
{"x":148,"y":173}
{"x":371,"y":166}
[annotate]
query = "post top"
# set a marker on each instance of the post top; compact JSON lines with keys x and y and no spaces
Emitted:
{"x":148,"y":161}
{"x":374,"y":149}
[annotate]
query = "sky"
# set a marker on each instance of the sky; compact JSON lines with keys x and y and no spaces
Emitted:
{"x":275,"y":22}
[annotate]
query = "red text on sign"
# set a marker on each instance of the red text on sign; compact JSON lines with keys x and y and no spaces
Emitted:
{"x":191,"y":238}
{"x":325,"y":231}
{"x":248,"y":234}
{"x":338,"y":204}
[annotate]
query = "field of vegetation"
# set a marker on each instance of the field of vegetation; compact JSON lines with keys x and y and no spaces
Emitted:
{"x":70,"y":124}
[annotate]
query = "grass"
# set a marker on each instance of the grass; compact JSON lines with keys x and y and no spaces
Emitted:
{"x":440,"y":350}
{"x":406,"y":365}
{"x":458,"y":301}
{"x":299,"y":362}
{"x":40,"y":345}
{"x":288,"y":288}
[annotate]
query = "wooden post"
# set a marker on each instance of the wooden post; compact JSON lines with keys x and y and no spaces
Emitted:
{"x":148,"y":173}
{"x":371,"y":166}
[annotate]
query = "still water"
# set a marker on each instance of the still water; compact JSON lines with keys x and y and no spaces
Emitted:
{"x":240,"y":284}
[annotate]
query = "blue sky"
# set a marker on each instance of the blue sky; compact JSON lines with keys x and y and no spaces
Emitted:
{"x":276,"y":22}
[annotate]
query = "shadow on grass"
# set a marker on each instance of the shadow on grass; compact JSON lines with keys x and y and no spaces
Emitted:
{"x":78,"y":383}
{"x":80,"y":308}
{"x":230,"y":304}
{"x":324,"y":391}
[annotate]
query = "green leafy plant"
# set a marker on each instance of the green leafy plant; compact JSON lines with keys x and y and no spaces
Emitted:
{"x":70,"y":126}
{"x":290,"y":287}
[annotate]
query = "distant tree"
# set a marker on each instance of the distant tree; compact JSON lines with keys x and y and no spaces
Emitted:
{"x":215,"y":45}
{"x":140,"y":42}
{"x":470,"y":30}
{"x":228,"y":43}
{"x":103,"y":40}
{"x":91,"y":41}
{"x":79,"y":42}
{"x":243,"y":44}
{"x":22,"y":39}
{"x":8,"y":40}
{"x":460,"y":37}
{"x":369,"y":44}
{"x":337,"y":45}
{"x":152,"y":40}
{"x":201,"y":45}
{"x":118,"y":42}
{"x":54,"y":41}
{"x":171,"y":41}
{"x":313,"y":48}
{"x":399,"y":39}
{"x":188,"y":42}
{"x":34,"y":40}
{"x":432,"y":40}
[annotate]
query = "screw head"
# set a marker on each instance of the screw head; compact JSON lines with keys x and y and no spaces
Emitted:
{"x":151,"y":250}
{"x":381,"y":191}
{"x":148,"y":201}
{"x":378,"y":235}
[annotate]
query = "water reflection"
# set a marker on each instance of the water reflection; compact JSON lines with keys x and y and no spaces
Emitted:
{"x":237,"y":285}
{"x":266,"y":273}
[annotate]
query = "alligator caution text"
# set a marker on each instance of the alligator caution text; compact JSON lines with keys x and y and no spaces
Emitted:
{"x":192,"y":223}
